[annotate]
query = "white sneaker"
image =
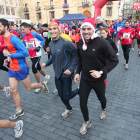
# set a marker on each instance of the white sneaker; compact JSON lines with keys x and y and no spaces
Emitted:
{"x":45,"y":89}
{"x":46,"y":78}
{"x":132,"y":49}
{"x":117,"y":54}
{"x":139,"y":53}
{"x":18,"y":130}
{"x":85,"y":126}
{"x":103,"y":114}
{"x":126,"y":66}
{"x":29,"y":59}
{"x":37,"y":90}
{"x":66,"y":113}
{"x":45,"y":53}
{"x":55,"y":91}
{"x":7,"y":92}
{"x":124,"y":62}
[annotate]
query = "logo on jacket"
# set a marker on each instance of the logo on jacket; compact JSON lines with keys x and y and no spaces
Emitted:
{"x":93,"y":50}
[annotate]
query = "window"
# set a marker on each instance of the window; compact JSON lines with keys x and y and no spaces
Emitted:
{"x":27,"y":16}
{"x":38,"y":15}
{"x":65,"y":1}
{"x":13,"y":11}
{"x":26,"y":5}
{"x":7,"y":11}
{"x":38,"y":4}
{"x":66,"y":12}
{"x":109,"y":11}
{"x":51,"y":2}
{"x":1,"y":10}
{"x":52,"y":15}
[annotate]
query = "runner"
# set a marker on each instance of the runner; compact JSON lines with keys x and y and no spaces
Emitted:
{"x":93,"y":51}
{"x":137,"y":31}
{"x":16,"y":125}
{"x":118,"y":26}
{"x":32,"y":42}
{"x":19,"y":70}
{"x":134,"y":26}
{"x":64,"y":60}
{"x":125,"y":35}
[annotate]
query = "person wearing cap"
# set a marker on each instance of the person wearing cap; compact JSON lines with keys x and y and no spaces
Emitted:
{"x":64,"y":59}
{"x":45,"y":33}
{"x":99,"y":23}
{"x":74,"y":35}
{"x":92,"y":53}
{"x":126,"y":35}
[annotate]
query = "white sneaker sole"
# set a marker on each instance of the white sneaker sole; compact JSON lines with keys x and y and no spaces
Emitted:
{"x":67,"y":115}
{"x":86,"y":129}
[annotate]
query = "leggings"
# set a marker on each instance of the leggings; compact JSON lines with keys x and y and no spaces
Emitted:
{"x":64,"y":87}
{"x":126,"y":49}
{"x":85,"y":87}
{"x":1,"y":65}
{"x":35,"y":64}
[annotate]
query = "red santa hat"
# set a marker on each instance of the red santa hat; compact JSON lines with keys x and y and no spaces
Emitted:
{"x":91,"y":23}
{"x":54,"y":23}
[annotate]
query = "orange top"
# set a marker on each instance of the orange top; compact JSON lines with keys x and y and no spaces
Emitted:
{"x":74,"y":37}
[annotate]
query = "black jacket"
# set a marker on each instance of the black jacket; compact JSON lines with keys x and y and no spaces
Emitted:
{"x":112,"y":44}
{"x":94,"y":58}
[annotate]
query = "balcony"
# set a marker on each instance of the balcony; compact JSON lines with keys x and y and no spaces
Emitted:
{"x":26,"y":9}
{"x":38,"y":8}
{"x":51,"y":7}
{"x":109,"y":3}
{"x":85,"y":4}
{"x":65,"y":5}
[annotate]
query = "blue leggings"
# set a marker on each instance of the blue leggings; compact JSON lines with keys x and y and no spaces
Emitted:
{"x":64,"y":87}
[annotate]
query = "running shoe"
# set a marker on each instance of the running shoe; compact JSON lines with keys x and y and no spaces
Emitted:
{"x":45,"y":53}
{"x":45,"y":89}
{"x":85,"y":127}
{"x":118,"y":54}
{"x":126,"y":66}
{"x":55,"y":91}
{"x":47,"y":77}
{"x":7,"y":92}
{"x":132,"y":49}
{"x":66,"y":113}
{"x":139,"y":53}
{"x":29,"y":59}
{"x":18,"y":130}
{"x":103,"y":114}
{"x":17,"y":114}
{"x":37,"y":90}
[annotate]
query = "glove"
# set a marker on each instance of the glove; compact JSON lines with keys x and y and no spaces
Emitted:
{"x":37,"y":49}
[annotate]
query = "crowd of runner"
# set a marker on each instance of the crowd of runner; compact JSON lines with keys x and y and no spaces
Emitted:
{"x":89,"y":48}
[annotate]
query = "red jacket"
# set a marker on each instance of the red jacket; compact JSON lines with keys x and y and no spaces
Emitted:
{"x":1,"y":43}
{"x":137,"y":31}
{"x":126,"y":33}
{"x":111,"y":30}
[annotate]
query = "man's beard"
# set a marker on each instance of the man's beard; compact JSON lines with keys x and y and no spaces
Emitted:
{"x":2,"y":32}
{"x":126,"y":27}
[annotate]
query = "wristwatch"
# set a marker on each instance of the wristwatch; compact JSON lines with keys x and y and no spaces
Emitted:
{"x":101,"y":72}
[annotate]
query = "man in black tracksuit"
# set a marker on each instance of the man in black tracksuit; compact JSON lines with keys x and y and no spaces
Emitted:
{"x":93,"y":52}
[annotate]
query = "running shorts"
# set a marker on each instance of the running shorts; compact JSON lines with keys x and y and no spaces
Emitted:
{"x":19,"y":75}
{"x":138,"y":41}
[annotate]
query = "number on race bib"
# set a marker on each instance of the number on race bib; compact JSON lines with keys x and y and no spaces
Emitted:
{"x":45,"y":34}
{"x":30,"y":44}
{"x":126,"y":35}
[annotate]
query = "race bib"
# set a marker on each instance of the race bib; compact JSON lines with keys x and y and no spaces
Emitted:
{"x":139,"y":32}
{"x":45,"y":34}
{"x":119,"y":28}
{"x":30,"y":44}
{"x":126,"y":35}
{"x":66,"y":29}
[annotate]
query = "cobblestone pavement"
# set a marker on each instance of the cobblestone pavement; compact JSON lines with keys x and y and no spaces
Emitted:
{"x":42,"y":120}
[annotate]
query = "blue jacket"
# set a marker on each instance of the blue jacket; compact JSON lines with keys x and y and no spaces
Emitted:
{"x":118,"y":27}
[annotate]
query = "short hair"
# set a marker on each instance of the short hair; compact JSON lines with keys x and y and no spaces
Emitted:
{"x":16,"y":25}
{"x":103,"y":28}
{"x":25,"y":25}
{"x":135,"y":21}
{"x":4,"y":22}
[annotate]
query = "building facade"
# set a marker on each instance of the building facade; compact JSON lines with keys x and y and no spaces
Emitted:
{"x":9,"y":9}
{"x":46,"y":10}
